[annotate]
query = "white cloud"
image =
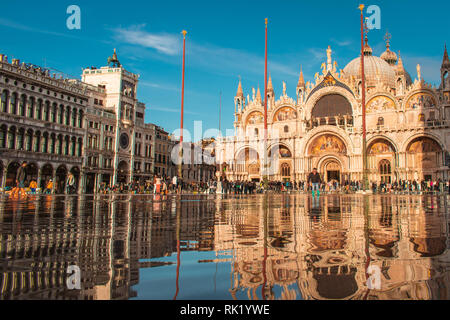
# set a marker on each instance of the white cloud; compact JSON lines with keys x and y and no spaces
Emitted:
{"x":344,"y":43}
{"x":162,"y":42}
{"x":214,"y":58}
{"x":170,"y":110}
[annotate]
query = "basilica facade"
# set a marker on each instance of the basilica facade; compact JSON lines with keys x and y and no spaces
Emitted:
{"x":408,"y":132}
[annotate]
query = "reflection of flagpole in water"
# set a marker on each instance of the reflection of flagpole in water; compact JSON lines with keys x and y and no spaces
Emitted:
{"x":366,"y":236}
{"x":215,"y":275}
{"x":265,"y":212}
{"x":178,"y":212}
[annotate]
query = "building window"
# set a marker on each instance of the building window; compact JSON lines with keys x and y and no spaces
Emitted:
{"x":286,"y":129}
{"x":385,"y":171}
{"x":4,"y":101}
{"x":285,"y":170}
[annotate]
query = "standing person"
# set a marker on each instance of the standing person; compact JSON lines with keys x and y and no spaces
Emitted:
{"x":21,"y":176}
{"x":33,"y":186}
{"x":49,"y":187}
{"x":314,"y":180}
{"x":174,"y":183}
{"x":157,"y":187}
{"x":71,"y":184}
{"x":164,"y":188}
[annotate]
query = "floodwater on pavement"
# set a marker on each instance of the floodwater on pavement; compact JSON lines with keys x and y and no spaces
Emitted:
{"x":273,"y":246}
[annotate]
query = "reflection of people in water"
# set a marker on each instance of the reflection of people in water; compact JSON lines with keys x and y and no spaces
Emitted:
{"x":315,"y":210}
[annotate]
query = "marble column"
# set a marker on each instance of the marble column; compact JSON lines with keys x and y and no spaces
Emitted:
{"x":39,"y":178}
{"x":3,"y":182}
{"x":81,"y":183}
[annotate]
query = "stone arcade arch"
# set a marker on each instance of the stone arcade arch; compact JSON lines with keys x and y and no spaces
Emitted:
{"x":424,"y":159}
{"x":11,"y":174}
{"x":248,"y":164}
{"x":46,"y":175}
{"x":1,"y":174}
{"x":328,"y":153}
{"x":76,"y":173}
{"x":122,"y":172}
{"x":382,"y":159}
{"x":281,"y":163}
{"x":61,"y":176}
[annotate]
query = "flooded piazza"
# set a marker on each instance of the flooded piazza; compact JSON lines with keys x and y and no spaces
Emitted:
{"x":208,"y":247}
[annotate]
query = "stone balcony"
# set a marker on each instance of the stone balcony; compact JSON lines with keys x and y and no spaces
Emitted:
{"x":31,"y":156}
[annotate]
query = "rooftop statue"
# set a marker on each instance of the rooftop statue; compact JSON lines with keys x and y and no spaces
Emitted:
{"x":114,"y":60}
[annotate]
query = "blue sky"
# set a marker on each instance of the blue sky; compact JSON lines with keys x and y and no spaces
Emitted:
{"x":225,"y":40}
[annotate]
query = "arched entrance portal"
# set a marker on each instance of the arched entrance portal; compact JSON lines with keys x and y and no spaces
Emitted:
{"x":332,"y":171}
{"x":248,"y":165}
{"x":424,"y":158}
{"x":280,"y":157}
{"x":122,"y":173}
{"x":382,"y":159}
{"x":328,"y":153}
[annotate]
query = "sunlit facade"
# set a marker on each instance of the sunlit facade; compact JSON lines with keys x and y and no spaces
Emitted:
{"x":408,"y":133}
{"x":94,"y":128}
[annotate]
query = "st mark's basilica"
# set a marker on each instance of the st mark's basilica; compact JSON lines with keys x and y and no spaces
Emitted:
{"x":408,"y":120}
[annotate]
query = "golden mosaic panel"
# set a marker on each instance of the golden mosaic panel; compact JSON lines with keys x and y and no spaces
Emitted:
{"x":421,"y":100}
{"x":380,"y":148}
{"x":379,"y":104}
{"x":255,"y":118}
{"x":424,"y":145}
{"x":285,"y":114}
{"x":327,"y":143}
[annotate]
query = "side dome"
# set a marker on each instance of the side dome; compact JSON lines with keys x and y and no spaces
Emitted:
{"x":389,"y":56}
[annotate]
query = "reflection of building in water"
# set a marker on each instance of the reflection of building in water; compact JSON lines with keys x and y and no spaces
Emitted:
{"x":292,"y":246}
{"x":109,"y":240}
{"x":322,"y":253}
{"x":45,"y":237}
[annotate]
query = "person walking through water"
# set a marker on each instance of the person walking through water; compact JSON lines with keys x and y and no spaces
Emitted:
{"x":314,"y":180}
{"x":21,"y":176}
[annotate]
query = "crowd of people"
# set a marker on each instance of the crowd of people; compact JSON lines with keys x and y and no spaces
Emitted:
{"x":165,"y":185}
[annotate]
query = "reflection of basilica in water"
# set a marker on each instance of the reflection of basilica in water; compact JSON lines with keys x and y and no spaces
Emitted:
{"x":303,"y":249}
{"x":289,"y":246}
{"x":322,"y":126}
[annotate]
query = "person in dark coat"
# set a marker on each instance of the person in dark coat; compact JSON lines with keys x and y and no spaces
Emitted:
{"x":314,"y":180}
{"x":21,"y":177}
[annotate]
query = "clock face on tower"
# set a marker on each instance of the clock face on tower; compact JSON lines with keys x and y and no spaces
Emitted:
{"x":124,"y":141}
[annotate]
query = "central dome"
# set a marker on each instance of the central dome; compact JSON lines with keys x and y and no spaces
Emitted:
{"x":375,"y":68}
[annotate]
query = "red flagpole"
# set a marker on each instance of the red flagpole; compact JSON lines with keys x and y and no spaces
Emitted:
{"x":180,"y":172}
{"x":363,"y":101}
{"x":265,"y":111}
{"x":265,"y":89}
{"x":263,"y":288}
